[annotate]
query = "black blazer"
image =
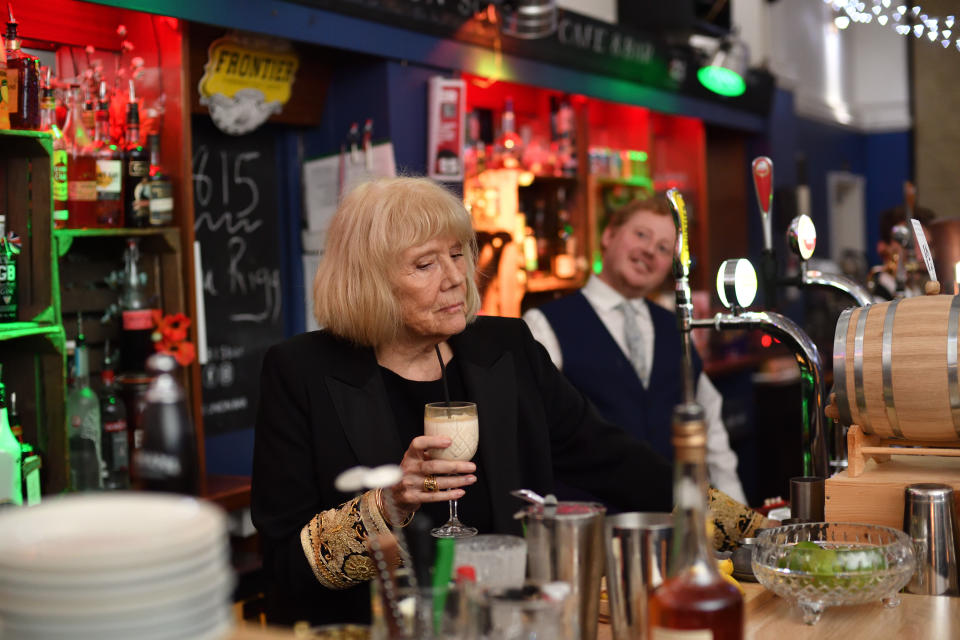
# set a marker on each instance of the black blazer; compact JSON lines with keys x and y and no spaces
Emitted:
{"x":324,"y":408}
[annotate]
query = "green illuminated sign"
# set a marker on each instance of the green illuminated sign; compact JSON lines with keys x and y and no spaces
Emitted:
{"x":722,"y":80}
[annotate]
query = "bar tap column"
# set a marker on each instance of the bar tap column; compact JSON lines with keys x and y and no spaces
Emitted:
{"x":732,"y":274}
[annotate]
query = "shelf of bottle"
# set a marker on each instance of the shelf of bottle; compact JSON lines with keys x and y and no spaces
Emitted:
{"x":538,"y":282}
{"x":637,"y":181}
{"x":14,"y":330}
{"x":65,"y":237}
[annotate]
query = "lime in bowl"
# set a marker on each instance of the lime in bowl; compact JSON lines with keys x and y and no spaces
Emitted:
{"x":825,"y":564}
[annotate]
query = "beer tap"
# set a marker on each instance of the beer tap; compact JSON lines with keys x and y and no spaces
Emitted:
{"x":802,"y":238}
{"x":737,"y":287}
{"x":681,"y":274}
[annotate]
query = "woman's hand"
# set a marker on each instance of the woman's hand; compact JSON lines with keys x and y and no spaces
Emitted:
{"x":450,"y":475}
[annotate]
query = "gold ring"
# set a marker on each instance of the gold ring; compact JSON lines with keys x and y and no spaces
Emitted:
{"x":430,"y":484}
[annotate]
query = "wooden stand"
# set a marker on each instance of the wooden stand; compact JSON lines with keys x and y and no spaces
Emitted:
{"x":871,"y":489}
{"x":861,"y":447}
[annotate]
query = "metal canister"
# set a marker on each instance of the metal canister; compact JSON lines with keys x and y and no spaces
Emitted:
{"x":565,"y":543}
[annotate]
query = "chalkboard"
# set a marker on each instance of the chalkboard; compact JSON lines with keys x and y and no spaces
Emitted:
{"x":236,"y":222}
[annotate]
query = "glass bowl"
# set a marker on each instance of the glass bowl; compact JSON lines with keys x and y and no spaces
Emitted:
{"x":818,"y":565}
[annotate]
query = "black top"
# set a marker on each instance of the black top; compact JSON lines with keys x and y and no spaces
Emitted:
{"x":407,"y":398}
{"x":324,"y":408}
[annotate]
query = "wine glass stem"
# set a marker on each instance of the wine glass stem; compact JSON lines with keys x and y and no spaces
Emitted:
{"x":453,"y":511}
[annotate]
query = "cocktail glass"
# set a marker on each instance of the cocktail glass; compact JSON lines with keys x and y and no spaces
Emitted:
{"x":457,"y":421}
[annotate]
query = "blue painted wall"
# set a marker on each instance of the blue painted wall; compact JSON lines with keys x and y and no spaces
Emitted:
{"x":882,"y":158}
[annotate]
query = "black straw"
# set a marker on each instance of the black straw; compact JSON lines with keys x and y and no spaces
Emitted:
{"x":443,"y":375}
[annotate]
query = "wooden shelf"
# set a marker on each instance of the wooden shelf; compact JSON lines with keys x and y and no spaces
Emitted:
{"x":65,"y":237}
{"x":540,"y":283}
{"x":230,"y":492}
{"x":24,"y":133}
{"x":14,"y":330}
{"x":641,"y":181}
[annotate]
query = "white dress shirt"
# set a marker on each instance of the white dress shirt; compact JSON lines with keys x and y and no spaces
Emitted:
{"x":721,"y":460}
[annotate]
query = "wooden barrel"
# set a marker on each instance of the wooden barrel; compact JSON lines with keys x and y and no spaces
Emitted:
{"x":895,"y":368}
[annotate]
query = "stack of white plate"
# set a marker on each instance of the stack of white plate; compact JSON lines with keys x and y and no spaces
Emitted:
{"x":115,"y":565}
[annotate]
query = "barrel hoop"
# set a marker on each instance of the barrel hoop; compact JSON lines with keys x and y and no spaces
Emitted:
{"x":886,"y":364}
{"x":953,"y":325}
{"x":839,"y":358}
{"x":858,"y":369}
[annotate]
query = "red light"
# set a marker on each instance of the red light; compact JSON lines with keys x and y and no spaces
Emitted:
{"x":766,"y":341}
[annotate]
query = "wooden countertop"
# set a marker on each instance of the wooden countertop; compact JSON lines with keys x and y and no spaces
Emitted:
{"x":772,"y":618}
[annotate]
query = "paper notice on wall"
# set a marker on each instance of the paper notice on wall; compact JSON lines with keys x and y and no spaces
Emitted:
{"x":325,"y":179}
{"x":447,"y":108}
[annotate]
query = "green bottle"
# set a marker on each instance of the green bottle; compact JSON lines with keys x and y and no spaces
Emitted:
{"x":10,"y":456}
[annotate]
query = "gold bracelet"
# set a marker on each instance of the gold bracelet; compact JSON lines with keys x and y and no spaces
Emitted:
{"x":383,"y":511}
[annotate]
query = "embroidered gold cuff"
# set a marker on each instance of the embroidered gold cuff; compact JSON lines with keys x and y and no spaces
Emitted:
{"x":733,"y":521}
{"x":334,"y":542}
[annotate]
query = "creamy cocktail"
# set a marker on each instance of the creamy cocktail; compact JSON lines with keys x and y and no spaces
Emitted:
{"x":457,"y":421}
{"x":461,"y":427}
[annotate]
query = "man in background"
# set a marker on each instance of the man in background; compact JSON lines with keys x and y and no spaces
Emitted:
{"x":622,"y":350}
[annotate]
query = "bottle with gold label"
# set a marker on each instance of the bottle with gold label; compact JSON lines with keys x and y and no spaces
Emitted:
{"x":4,"y":92}
{"x":136,"y":167}
{"x":695,"y":602}
{"x":48,"y":123}
{"x":109,"y":167}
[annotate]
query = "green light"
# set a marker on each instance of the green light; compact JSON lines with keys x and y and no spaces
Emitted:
{"x":722,"y":80}
{"x":597,"y":262}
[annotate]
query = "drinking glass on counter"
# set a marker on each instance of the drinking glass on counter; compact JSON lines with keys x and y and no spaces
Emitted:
{"x":500,"y":561}
{"x":457,"y":421}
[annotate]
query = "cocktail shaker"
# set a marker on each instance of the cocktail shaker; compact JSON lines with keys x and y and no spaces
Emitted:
{"x":565,"y":543}
{"x":930,"y":519}
{"x":638,"y":553}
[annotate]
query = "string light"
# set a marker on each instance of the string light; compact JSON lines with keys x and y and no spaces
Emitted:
{"x":886,"y":13}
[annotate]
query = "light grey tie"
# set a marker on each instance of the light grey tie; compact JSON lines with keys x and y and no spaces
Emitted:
{"x":631,"y":331}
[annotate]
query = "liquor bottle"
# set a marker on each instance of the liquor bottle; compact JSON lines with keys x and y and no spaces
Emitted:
{"x":113,"y":434}
{"x":83,"y":416}
{"x":81,"y":166}
{"x":8,"y":275}
{"x":109,"y":210}
{"x":168,"y":459}
{"x":695,"y":602}
{"x":48,"y":123}
{"x":4,"y":90}
{"x":566,"y":133}
{"x":136,"y":168}
{"x":30,"y":460}
{"x":136,"y":342}
{"x":10,"y":457}
{"x":23,"y":82}
{"x":509,"y":145}
{"x":159,"y":188}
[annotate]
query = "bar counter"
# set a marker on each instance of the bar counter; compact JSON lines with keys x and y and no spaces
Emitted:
{"x":772,"y":618}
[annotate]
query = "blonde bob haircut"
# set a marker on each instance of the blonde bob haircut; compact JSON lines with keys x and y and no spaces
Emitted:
{"x":375,"y":223}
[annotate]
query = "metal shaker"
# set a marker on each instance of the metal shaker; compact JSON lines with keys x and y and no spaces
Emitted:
{"x":565,"y":543}
{"x":930,"y":519}
{"x":638,"y":554}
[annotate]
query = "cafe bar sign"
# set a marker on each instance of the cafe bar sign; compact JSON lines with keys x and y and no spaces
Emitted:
{"x":246,"y":80}
{"x":580,"y":42}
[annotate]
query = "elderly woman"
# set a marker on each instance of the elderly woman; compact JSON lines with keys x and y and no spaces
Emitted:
{"x":395,"y":286}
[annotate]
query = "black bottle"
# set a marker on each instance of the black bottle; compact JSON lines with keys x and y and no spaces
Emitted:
{"x":167,"y":460}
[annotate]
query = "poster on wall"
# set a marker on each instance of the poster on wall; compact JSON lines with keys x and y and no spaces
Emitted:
{"x":447,"y":110}
{"x":246,"y":80}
